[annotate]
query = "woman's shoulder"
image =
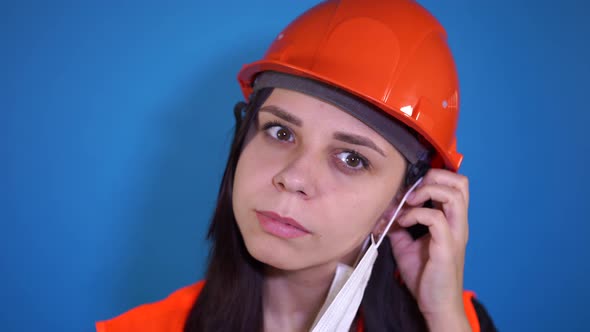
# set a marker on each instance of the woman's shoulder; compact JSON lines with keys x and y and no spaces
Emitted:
{"x":168,"y":314}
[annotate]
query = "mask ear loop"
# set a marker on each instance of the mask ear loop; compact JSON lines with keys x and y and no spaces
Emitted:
{"x":399,"y":207}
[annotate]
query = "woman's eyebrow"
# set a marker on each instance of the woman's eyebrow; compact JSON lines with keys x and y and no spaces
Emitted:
{"x":281,"y":113}
{"x":341,"y":136}
{"x":357,"y":140}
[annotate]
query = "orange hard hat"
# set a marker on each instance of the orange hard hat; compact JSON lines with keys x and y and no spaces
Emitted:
{"x":391,"y":53}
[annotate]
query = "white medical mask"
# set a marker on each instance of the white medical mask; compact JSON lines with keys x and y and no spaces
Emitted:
{"x":348,"y":285}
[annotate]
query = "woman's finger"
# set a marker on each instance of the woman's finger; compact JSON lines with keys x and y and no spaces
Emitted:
{"x":400,"y":237}
{"x":453,"y":205}
{"x":442,"y":244}
{"x":448,"y":178}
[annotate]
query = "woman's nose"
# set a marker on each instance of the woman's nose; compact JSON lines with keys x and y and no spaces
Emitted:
{"x":298,"y":177}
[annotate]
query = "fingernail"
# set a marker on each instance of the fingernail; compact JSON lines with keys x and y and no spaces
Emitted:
{"x":411,"y":196}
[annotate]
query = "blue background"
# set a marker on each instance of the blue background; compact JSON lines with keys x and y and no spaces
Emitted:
{"x":115,"y":121}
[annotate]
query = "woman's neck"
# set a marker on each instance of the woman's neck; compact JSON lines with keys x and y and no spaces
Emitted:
{"x":291,"y":300}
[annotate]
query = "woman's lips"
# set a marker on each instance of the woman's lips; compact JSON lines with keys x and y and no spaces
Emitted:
{"x":279,"y":226}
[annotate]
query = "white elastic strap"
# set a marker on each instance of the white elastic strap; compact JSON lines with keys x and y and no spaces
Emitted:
{"x":399,"y":207}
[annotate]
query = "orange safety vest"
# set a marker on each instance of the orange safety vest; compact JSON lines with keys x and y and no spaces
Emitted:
{"x":170,"y":313}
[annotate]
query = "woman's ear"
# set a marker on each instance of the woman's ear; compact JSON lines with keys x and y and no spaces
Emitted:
{"x":388,"y":214}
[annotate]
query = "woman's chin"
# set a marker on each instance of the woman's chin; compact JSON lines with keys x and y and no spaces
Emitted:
{"x":275,"y":257}
{"x":272,"y":258}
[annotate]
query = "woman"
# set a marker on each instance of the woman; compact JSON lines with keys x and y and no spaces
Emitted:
{"x":350,"y":119}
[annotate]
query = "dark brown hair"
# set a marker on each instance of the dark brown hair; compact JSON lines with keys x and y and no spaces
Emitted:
{"x":231,"y":299}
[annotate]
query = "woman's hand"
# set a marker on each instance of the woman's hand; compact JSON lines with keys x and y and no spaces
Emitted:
{"x":432,"y":266}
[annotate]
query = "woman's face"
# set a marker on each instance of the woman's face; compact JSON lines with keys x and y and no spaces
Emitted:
{"x":311,"y":183}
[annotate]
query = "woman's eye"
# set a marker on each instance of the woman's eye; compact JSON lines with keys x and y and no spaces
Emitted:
{"x":353,"y":160}
{"x":279,"y":132}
